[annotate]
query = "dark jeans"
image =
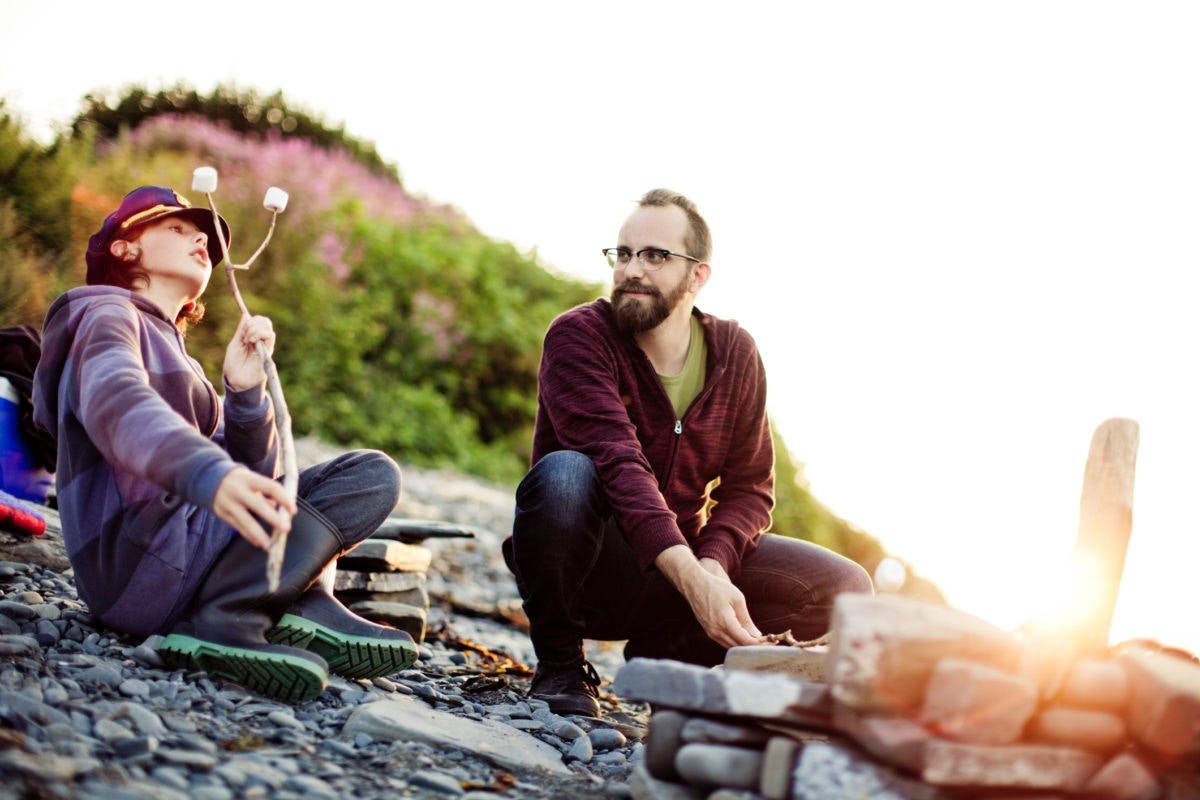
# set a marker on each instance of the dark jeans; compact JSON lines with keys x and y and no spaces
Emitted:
{"x":355,"y":491}
{"x":579,"y":578}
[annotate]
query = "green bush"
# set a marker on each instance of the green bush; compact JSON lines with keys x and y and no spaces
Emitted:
{"x":401,"y":327}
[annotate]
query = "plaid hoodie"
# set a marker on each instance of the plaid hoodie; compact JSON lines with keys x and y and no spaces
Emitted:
{"x":143,"y":443}
{"x":598,"y":394}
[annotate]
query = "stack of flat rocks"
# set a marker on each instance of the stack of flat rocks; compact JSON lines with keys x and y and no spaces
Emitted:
{"x":916,"y":700}
{"x":383,"y":578}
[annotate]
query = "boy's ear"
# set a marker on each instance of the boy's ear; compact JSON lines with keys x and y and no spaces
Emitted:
{"x":124,"y":250}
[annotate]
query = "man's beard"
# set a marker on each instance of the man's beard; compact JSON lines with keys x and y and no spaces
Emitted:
{"x":638,"y":315}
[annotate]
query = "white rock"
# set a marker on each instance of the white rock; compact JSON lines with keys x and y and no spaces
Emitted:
{"x":408,"y":720}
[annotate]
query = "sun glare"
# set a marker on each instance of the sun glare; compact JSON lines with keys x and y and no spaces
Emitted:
{"x":1079,"y":605}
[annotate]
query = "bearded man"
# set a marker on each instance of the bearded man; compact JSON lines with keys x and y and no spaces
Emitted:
{"x":643,"y":516}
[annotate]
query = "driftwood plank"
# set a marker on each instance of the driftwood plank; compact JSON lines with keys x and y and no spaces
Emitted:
{"x":415,"y":531}
{"x":384,"y":555}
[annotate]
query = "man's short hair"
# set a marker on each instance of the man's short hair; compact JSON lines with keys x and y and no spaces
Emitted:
{"x":698,"y":240}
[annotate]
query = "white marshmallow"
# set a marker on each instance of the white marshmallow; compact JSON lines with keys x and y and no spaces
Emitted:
{"x":204,"y":180}
{"x":276,"y":199}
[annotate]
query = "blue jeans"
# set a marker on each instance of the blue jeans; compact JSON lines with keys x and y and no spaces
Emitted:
{"x":580,"y":579}
{"x":356,"y":491}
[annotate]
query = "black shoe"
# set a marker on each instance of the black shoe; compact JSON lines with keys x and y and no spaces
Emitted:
{"x":568,"y":691}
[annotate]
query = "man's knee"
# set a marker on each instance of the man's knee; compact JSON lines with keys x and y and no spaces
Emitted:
{"x":799,"y":573}
{"x":562,"y":479}
{"x":852,"y":577}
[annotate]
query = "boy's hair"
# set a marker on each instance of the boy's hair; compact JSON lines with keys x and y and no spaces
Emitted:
{"x":138,"y":209}
{"x":113,"y":271}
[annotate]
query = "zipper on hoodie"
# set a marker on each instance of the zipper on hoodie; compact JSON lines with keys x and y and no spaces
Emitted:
{"x":704,"y":393}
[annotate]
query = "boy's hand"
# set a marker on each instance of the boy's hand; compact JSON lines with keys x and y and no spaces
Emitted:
{"x":244,"y":497}
{"x":243,"y":366}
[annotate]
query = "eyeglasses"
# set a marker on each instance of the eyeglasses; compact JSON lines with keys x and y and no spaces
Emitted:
{"x":650,"y":258}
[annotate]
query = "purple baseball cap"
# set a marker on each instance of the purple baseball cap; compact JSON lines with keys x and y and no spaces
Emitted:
{"x":141,"y":206}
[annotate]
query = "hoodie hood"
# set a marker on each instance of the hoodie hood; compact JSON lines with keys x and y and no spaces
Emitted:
{"x":58,"y":334}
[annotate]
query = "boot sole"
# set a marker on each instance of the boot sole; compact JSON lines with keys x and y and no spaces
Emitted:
{"x":289,"y":678}
{"x":565,"y":704}
{"x":355,"y":657}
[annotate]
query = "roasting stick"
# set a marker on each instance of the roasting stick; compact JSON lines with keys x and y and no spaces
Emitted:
{"x":204,"y":180}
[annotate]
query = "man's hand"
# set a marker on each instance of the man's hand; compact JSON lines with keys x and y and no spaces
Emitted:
{"x":244,"y":497}
{"x":719,"y":606}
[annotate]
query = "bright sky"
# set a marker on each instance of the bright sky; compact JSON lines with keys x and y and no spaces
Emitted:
{"x":963,"y":234}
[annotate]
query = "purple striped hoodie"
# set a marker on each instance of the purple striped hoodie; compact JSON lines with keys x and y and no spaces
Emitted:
{"x":143,"y":442}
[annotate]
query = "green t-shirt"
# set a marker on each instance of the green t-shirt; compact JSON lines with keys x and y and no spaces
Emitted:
{"x":683,"y":388}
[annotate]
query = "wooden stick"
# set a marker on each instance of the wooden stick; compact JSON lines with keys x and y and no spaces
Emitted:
{"x":1105,"y":525}
{"x":283,"y":418}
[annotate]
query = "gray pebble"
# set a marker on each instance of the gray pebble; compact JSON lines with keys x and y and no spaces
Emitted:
{"x":565,"y":729}
{"x":107,"y":730}
{"x":15,"y":610}
{"x":309,"y":786}
{"x":137,"y":748}
{"x":581,"y":750}
{"x":528,"y":725}
{"x":436,"y":781}
{"x":20,"y":646}
{"x":103,"y":673}
{"x":340,"y":748}
{"x":606,"y":738}
{"x":48,"y":632}
{"x":54,"y":693}
{"x":190,"y":759}
{"x":384,"y":684}
{"x":147,"y":653}
{"x":134,"y":687}
{"x":610,"y":758}
{"x":170,"y":777}
{"x":47,"y":611}
{"x":143,"y":719}
{"x":197,"y":742}
{"x":284,"y":719}
{"x":211,"y":793}
{"x":513,"y":710}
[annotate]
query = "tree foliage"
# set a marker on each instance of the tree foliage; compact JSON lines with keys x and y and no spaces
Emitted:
{"x":401,"y":326}
{"x":242,"y":111}
{"x":35,"y":220}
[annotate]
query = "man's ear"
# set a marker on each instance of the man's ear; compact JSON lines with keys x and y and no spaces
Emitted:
{"x":700,"y":274}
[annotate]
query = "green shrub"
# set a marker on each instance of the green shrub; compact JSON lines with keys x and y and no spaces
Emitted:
{"x":401,"y":327}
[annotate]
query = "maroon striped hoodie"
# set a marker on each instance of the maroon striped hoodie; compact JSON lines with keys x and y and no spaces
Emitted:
{"x":598,"y":394}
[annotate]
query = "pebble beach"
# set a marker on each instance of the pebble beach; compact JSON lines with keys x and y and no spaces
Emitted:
{"x":87,"y":712}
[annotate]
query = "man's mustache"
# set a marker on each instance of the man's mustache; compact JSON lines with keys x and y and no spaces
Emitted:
{"x":635,"y":288}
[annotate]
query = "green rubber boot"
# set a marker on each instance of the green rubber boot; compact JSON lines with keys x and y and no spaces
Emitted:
{"x":287,"y":674}
{"x":353,"y":647}
{"x":224,"y":631}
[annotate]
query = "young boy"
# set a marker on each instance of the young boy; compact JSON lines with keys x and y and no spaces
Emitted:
{"x":167,"y":491}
